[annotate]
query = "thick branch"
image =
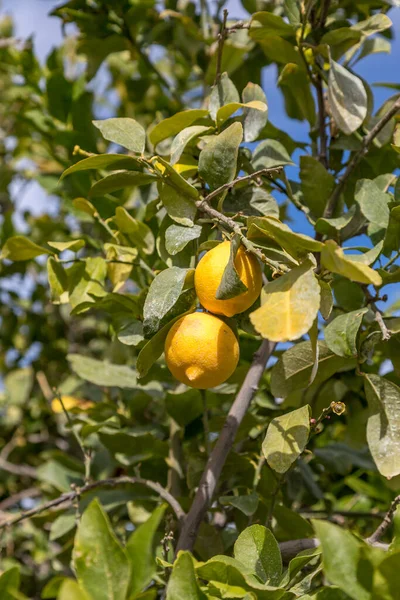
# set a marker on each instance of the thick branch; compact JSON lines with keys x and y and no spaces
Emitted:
{"x":220,"y":49}
{"x":386,"y":523}
{"x":212,"y":472}
{"x":69,"y":497}
{"x":367,"y":140}
{"x":291,"y":548}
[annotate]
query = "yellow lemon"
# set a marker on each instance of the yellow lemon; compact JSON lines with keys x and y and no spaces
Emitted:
{"x":69,"y":402}
{"x":201,"y":350}
{"x":209,"y":273}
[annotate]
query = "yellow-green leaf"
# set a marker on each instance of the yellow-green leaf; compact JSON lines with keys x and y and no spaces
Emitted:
{"x":296,"y":244}
{"x":289,"y":305}
{"x":21,"y":248}
{"x":334,"y":259}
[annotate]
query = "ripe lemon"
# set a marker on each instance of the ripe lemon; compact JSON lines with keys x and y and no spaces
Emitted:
{"x":209,"y":273}
{"x":201,"y":350}
{"x":70,"y":402}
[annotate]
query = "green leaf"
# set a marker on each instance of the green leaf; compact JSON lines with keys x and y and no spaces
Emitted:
{"x":289,"y":305}
{"x":387,"y":578}
{"x":62,"y":525}
{"x":59,"y":96}
{"x":137,"y":231}
{"x":178,"y":205}
{"x":184,"y":407}
{"x":175,"y":124}
{"x":70,"y":590}
{"x":292,"y":12}
{"x":140,"y":550}
{"x":296,"y":88}
{"x":100,"y":562}
{"x":9,"y":582}
{"x":58,"y":282}
{"x":383,"y":424}
{"x":231,"y":285}
{"x":72,"y":245}
{"x":246,"y":504}
{"x":251,"y":200}
{"x":229,"y":109}
{"x":265,"y":24}
{"x":19,"y":247}
{"x":131,"y":334}
{"x":374,"y":24}
{"x":343,"y":560}
{"x":374,"y":46}
{"x":279,"y":50}
{"x":218,"y":160}
{"x":373,"y":204}
{"x":286,"y":438}
{"x":183,"y":584}
{"x":154,"y":347}
{"x":253,"y":120}
{"x":293,"y":369}
{"x":124,"y":132}
{"x":296,"y":244}
{"x":224,"y":92}
{"x":163,"y":294}
{"x":102,"y":161}
{"x":347,"y":98}
{"x":101,"y":372}
{"x":334,"y":259}
{"x":316,"y":184}
{"x":341,"y":333}
{"x":120,"y":180}
{"x":87,"y":280}
{"x":258,"y":550}
{"x":340,"y":40}
{"x":270,"y":153}
{"x":185,"y":137}
{"x":332,"y":226}
{"x":392,"y":236}
{"x":177,"y":237}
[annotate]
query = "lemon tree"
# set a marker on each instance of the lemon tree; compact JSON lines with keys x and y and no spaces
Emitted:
{"x":200,"y":331}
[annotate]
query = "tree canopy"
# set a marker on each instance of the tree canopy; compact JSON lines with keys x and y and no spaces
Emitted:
{"x":148,"y":128}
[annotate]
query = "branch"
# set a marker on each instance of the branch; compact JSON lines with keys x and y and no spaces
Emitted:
{"x":256,"y":175}
{"x":367,"y":140}
{"x":21,"y":470}
{"x":323,"y":140}
{"x":291,"y":548}
{"x":386,"y":523}
{"x":378,"y":315}
{"x":212,"y":472}
{"x":69,"y":497}
{"x":15,"y":498}
{"x":221,"y":41}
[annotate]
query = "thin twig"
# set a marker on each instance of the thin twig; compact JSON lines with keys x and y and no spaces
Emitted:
{"x":386,"y":523}
{"x":206,"y":424}
{"x":220,"y":49}
{"x":256,"y":175}
{"x":291,"y":548}
{"x":378,"y":314}
{"x":391,"y":261}
{"x":20,"y":470}
{"x":219,"y":454}
{"x":323,"y":140}
{"x":367,"y":140}
{"x":15,"y":498}
{"x":69,"y":498}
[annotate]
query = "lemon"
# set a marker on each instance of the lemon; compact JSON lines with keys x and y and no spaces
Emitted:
{"x":69,"y":402}
{"x":201,"y":350}
{"x":209,"y":273}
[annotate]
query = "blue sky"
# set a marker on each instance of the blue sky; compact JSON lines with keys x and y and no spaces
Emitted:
{"x":31,"y":18}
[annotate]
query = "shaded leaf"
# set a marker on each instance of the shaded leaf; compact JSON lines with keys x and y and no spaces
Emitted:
{"x":270,"y":153}
{"x":246,"y":504}
{"x":131,"y":334}
{"x":326,"y":299}
{"x":286,"y":438}
{"x":140,"y":234}
{"x":9,"y":583}
{"x":185,"y":137}
{"x":231,"y":285}
{"x":253,"y":120}
{"x":224,"y":92}
{"x":297,"y":244}
{"x":264,"y":24}
{"x":177,"y":237}
{"x":103,"y":161}
{"x":175,"y":124}
{"x":178,"y":205}
{"x":373,"y":205}
{"x":120,"y":180}
{"x":316,"y":184}
{"x":58,"y":282}
{"x":296,"y":88}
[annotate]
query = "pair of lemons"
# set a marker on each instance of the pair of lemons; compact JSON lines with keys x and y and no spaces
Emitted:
{"x":201,"y":350}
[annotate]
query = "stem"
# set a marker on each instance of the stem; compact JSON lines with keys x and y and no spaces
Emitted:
{"x":391,"y":260}
{"x":358,"y":156}
{"x":106,"y":226}
{"x":69,"y":497}
{"x":386,"y":523}
{"x":206,"y":424}
{"x":323,"y":143}
{"x":256,"y":175}
{"x":219,"y":454}
{"x":175,"y":459}
{"x":221,"y":41}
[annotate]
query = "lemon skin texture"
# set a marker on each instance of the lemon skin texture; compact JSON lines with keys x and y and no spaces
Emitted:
{"x":201,"y":350}
{"x":209,"y":273}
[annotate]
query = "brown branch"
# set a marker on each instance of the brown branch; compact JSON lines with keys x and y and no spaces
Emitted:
{"x":323,"y":140}
{"x":69,"y":497}
{"x":386,"y":335}
{"x":15,"y":498}
{"x":220,"y":49}
{"x":386,"y":523}
{"x":291,"y":548}
{"x":20,"y":470}
{"x":256,"y":175}
{"x":212,"y":472}
{"x":359,"y":155}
